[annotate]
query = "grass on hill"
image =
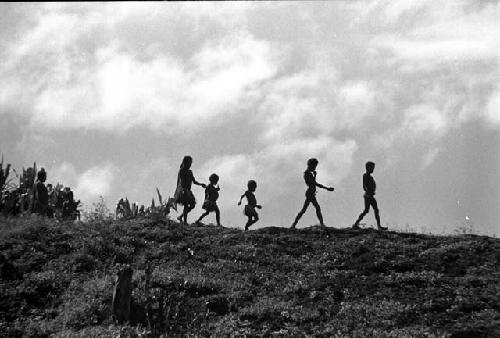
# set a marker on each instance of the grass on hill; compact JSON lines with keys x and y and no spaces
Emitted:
{"x":57,"y":280}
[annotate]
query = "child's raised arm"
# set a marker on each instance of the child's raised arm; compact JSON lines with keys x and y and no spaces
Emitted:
{"x":324,"y":187}
{"x":198,"y":183}
{"x":239,"y":203}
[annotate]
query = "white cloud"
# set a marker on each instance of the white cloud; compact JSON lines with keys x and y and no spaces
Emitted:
{"x":356,"y":93}
{"x":123,"y":92}
{"x":65,"y":174}
{"x":431,"y":156}
{"x":87,"y":185}
{"x":394,"y":10}
{"x":314,"y":102}
{"x":423,"y":120}
{"x":421,"y":124}
{"x":356,"y":102}
{"x":440,"y":50}
{"x":492,"y":110}
{"x":433,"y":33}
{"x":96,"y":181}
{"x":78,"y":68}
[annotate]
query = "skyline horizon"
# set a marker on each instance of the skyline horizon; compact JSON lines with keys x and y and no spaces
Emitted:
{"x":467,"y":227}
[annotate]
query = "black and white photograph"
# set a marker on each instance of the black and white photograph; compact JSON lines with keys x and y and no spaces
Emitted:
{"x":250,"y":169}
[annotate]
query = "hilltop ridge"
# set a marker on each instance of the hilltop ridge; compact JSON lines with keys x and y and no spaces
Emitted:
{"x":57,"y":280}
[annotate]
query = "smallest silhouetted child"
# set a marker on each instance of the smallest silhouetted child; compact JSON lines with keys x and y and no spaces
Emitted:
{"x":369,"y":187}
{"x":211,"y":196}
{"x":250,"y":211}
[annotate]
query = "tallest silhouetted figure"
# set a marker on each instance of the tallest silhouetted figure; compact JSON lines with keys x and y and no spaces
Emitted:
{"x":310,"y":179}
{"x":183,"y":194}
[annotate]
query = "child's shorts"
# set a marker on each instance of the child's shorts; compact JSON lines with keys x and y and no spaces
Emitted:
{"x":250,"y":211}
{"x":209,"y":205}
{"x":184,"y":196}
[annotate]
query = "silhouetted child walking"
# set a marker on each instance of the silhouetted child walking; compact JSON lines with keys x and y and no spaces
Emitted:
{"x":369,"y":187}
{"x":310,"y":179}
{"x":250,"y":211}
{"x":211,"y":196}
{"x":183,"y":194}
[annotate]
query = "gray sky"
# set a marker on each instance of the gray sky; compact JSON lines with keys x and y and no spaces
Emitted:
{"x":110,"y":97}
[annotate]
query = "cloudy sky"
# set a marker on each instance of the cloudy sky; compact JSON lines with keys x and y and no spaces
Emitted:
{"x":110,"y":97}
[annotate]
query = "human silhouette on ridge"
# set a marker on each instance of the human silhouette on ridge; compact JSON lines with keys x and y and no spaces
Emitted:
{"x":249,"y":210}
{"x":183,"y":194}
{"x":310,"y":179}
{"x":40,"y":194}
{"x":369,"y":187}
{"x":211,"y":196}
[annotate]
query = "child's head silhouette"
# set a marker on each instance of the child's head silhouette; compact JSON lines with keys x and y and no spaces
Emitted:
{"x":370,"y":166}
{"x":186,"y":162}
{"x":312,"y":163}
{"x":42,"y":175}
{"x":214,"y":178}
{"x":252,"y":185}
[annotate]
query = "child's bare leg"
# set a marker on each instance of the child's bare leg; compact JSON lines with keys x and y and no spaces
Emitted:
{"x":202,"y":216}
{"x":301,"y":212}
{"x":318,"y":212}
{"x":249,"y":222}
{"x":217,"y":215}
{"x":255,"y":219}
{"x":377,"y":215}
{"x":375,"y":210}
{"x":365,"y":211}
{"x":181,"y":217}
{"x":356,"y":224}
{"x":186,"y":211}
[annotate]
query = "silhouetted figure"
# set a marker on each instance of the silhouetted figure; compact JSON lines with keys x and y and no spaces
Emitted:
{"x":183,"y":194}
{"x":69,"y":206}
{"x":369,"y":187}
{"x":52,"y":197}
{"x":249,"y":210}
{"x":118,"y":209}
{"x":310,"y":179}
{"x":40,"y":194}
{"x":211,"y":196}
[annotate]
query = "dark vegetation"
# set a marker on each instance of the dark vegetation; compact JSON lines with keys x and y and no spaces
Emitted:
{"x":57,"y":280}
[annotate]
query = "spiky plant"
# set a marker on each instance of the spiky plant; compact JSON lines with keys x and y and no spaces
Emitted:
{"x":4,"y":176}
{"x":134,"y":210}
{"x":165,"y":206}
{"x":159,"y":195}
{"x":27,"y":179}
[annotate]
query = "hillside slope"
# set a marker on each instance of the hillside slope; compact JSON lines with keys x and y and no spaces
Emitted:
{"x":57,"y":279}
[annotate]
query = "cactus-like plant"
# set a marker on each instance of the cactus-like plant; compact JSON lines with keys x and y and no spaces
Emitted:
{"x":27,"y":179}
{"x":4,"y":175}
{"x":159,"y":195}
